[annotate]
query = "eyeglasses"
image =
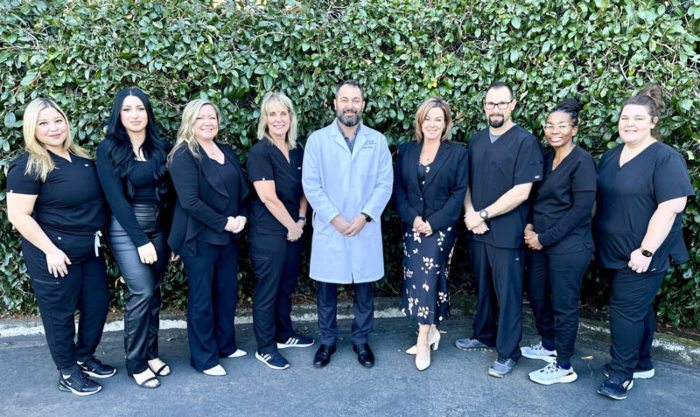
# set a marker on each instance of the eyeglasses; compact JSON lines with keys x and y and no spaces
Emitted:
{"x":560,"y":127}
{"x":489,"y":105}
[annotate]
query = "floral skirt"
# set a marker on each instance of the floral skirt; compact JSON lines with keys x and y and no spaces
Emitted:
{"x":426,"y":265}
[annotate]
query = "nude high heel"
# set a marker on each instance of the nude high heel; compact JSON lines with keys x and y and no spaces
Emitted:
{"x":423,"y":359}
{"x":434,"y":341}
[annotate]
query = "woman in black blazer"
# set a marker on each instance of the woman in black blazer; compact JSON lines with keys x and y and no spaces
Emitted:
{"x":429,"y":187}
{"x":209,"y":215}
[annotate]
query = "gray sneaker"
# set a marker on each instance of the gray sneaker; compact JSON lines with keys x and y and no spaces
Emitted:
{"x":500,"y":369}
{"x":471,"y":344}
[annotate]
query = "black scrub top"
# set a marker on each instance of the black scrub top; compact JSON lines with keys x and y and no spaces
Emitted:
{"x":627,"y":198}
{"x":515,"y":158}
{"x":69,"y":201}
{"x":563,"y":202}
{"x":267,"y":163}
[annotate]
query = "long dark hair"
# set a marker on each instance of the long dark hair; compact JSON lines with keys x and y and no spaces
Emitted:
{"x":121,"y":152}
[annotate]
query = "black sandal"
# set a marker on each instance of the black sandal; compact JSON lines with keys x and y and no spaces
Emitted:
{"x":160,"y":370}
{"x":144,"y":383}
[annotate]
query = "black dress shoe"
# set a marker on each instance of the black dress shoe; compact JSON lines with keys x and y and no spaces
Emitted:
{"x":323,"y":355}
{"x":364,"y":355}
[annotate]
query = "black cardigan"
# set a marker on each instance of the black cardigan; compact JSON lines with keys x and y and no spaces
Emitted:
{"x":201,"y":197}
{"x":441,"y":201}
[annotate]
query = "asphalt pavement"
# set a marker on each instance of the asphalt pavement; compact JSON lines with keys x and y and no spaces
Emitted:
{"x":456,"y":384}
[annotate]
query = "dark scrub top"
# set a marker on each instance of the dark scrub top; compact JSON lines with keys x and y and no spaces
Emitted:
{"x":69,"y":201}
{"x":627,"y":198}
{"x":267,"y":163}
{"x":563,"y":203}
{"x":515,"y":158}
{"x":229,"y":176}
{"x":142,"y":178}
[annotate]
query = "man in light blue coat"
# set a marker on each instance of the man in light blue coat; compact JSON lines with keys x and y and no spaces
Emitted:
{"x":347,"y":178}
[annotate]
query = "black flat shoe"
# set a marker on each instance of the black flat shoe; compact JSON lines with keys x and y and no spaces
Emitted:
{"x":364,"y":355}
{"x":323,"y":355}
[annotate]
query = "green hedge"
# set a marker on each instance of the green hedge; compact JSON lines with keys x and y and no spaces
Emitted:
{"x":82,"y":52}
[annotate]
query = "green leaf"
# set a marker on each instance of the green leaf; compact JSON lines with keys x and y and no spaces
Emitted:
{"x":10,"y":120}
{"x":686,"y":104}
{"x":29,"y":78}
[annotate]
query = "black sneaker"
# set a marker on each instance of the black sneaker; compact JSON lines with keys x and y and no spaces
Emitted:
{"x":79,"y":384}
{"x":274,"y":360}
{"x":296,"y":340}
{"x":96,"y":369}
{"x":616,"y":390}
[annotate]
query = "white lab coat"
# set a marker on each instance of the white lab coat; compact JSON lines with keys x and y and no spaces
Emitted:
{"x":338,"y":182}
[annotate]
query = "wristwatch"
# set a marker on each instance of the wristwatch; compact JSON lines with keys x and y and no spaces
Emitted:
{"x":484,"y":214}
{"x":303,"y":219}
{"x":646,"y":253}
{"x":367,"y":217}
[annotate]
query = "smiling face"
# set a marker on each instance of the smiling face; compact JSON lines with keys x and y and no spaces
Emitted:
{"x":559,"y":129}
{"x":433,"y":125}
{"x":635,"y":124}
{"x":278,"y":120}
{"x":133,"y":115}
{"x":206,"y":125}
{"x":51,"y":129}
{"x":349,"y":105}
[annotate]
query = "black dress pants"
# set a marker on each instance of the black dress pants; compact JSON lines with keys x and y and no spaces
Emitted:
{"x":212,"y":275}
{"x":362,"y":309}
{"x":143,"y":301}
{"x":499,"y":278}
{"x":554,"y":289}
{"x":84,"y":288}
{"x":632,"y":320}
{"x":276,"y":266}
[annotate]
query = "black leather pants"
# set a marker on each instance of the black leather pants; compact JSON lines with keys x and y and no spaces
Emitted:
{"x":143,"y":301}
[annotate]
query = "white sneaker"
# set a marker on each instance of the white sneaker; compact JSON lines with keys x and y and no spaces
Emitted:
{"x":553,"y":374}
{"x":539,"y":352}
{"x":217,"y":370}
{"x":238,"y":354}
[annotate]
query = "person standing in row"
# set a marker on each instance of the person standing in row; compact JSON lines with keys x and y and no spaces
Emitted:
{"x":643,"y":186}
{"x":131,"y":168}
{"x":209,"y":215}
{"x":55,"y":202}
{"x":347,"y":178}
{"x":278,"y":215}
{"x":429,"y":186}
{"x":561,"y":244}
{"x":504,"y":161}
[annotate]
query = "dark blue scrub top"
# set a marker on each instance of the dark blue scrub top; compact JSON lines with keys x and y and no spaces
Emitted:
{"x":494,"y":168}
{"x":563,"y":202}
{"x":69,"y":201}
{"x":267,"y":163}
{"x":627,"y":198}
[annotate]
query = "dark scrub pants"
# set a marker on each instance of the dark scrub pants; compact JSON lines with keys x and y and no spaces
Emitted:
{"x":84,"y":289}
{"x":276,"y":264}
{"x":554,"y":287}
{"x":499,"y":278}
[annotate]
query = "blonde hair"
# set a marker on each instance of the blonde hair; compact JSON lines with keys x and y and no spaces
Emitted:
{"x":422,"y":113}
{"x":185,"y":134}
{"x":40,"y":163}
{"x":267,"y":102}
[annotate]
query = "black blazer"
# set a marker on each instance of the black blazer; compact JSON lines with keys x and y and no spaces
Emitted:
{"x":441,"y":201}
{"x":201,"y":197}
